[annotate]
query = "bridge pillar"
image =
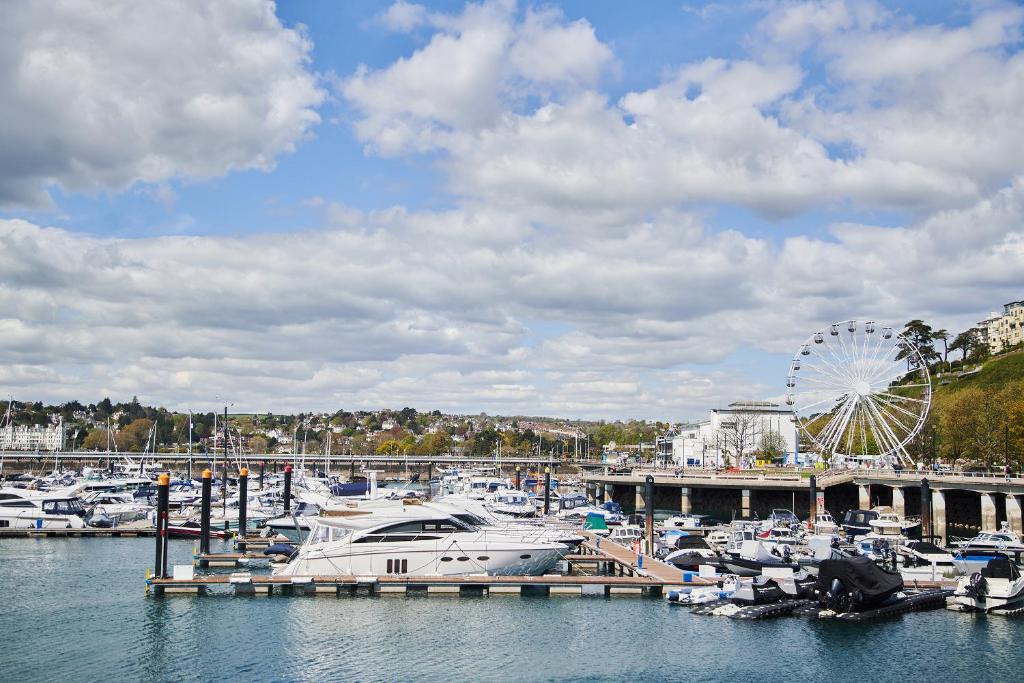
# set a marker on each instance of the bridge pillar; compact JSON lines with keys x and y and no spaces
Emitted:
{"x":864,"y":496}
{"x":939,"y":515}
{"x":641,"y":502}
{"x":899,"y":505}
{"x":684,"y":500}
{"x":1013,"y":513}
{"x":745,"y":503}
{"x":988,"y":512}
{"x":608,"y":493}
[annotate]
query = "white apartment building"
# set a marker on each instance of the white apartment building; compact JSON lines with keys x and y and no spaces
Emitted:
{"x":732,"y":436}
{"x":1001,"y":331}
{"x":32,"y":438}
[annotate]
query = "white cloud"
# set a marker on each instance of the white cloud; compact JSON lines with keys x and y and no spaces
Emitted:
{"x":447,"y":309}
{"x":916,"y":117}
{"x":97,"y":98}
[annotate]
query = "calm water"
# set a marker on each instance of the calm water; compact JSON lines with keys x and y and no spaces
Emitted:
{"x":75,"y":609}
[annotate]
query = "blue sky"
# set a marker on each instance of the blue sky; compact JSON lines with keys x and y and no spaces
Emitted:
{"x":580,"y":208}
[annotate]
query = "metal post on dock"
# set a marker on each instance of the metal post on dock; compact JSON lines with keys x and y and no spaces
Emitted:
{"x":351,"y":470}
{"x":263,"y":466}
{"x":204,"y":514}
{"x":517,"y":477}
{"x":926,"y":509}
{"x":547,"y":490}
{"x":649,"y":510}
{"x":813,"y":516}
{"x":163,"y":488}
{"x":287,"y":488}
{"x":243,"y":486}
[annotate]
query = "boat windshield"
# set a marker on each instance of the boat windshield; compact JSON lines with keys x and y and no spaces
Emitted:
{"x":324,"y":534}
{"x":70,"y":506}
{"x":471,"y":520}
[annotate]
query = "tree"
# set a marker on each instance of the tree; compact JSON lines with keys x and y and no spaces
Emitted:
{"x":258,"y":444}
{"x":988,"y":429}
{"x":96,"y":440}
{"x":920,"y":335}
{"x":133,"y":437}
{"x":943,"y":336}
{"x":772,"y":446}
{"x":389,"y":447}
{"x":963,"y":343}
{"x":954,"y":413}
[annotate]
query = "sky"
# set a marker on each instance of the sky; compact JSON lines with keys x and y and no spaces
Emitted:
{"x":600,"y":210}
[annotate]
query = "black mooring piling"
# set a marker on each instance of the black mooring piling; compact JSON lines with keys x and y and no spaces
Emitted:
{"x":204,"y":514}
{"x":813,"y":508}
{"x":547,"y":490}
{"x":263,"y":466}
{"x":243,"y":486}
{"x":926,"y":509}
{"x":517,"y":477}
{"x":649,"y":513}
{"x":162,"y":497}
{"x":287,"y":488}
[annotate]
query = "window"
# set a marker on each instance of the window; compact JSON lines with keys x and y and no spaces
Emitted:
{"x":5,"y":522}
{"x":524,"y":557}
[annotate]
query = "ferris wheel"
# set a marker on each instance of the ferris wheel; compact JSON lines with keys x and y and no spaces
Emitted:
{"x":859,"y":391}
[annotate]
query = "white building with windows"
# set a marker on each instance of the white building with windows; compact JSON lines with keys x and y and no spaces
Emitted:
{"x":32,"y":438}
{"x":734,"y":436}
{"x":1002,"y":331}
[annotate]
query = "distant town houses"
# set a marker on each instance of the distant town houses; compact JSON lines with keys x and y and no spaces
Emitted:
{"x":1002,"y":331}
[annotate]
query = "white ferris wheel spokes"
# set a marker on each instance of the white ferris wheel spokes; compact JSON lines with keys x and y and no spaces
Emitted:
{"x":859,"y":391}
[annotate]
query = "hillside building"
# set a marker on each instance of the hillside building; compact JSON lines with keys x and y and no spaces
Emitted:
{"x":1003,"y":331}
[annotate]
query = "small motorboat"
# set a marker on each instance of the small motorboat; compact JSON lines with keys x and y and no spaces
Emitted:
{"x":753,"y":557}
{"x":999,"y":587}
{"x":691,"y":552}
{"x":855,"y":584}
{"x":757,"y":590}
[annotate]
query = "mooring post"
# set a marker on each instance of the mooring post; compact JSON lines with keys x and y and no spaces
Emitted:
{"x":190,"y":467}
{"x":163,"y":488}
{"x":351,"y":469}
{"x":926,"y":509}
{"x":263,"y":466}
{"x":243,"y":491}
{"x":814,"y":502}
{"x":547,"y":490}
{"x":517,"y":477}
{"x":204,"y":514}
{"x":649,"y":510}
{"x":287,"y":488}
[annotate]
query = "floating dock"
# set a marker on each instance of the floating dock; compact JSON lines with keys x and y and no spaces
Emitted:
{"x":245,"y":583}
{"x":89,"y":532}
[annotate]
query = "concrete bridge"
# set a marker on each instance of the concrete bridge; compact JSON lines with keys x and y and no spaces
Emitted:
{"x":962,"y":500}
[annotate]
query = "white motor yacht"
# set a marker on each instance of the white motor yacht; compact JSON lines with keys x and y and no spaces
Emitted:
{"x":24,"y":509}
{"x":416,"y":541}
{"x":824,"y":523}
{"x":119,"y":507}
{"x":998,"y":587}
{"x":924,"y":561}
{"x":509,"y":504}
{"x":685,"y":521}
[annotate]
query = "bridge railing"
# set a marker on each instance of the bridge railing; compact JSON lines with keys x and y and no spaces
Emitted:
{"x":937,"y":475}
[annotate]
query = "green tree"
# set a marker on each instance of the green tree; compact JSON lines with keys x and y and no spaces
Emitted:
{"x":920,"y":335}
{"x":943,"y":336}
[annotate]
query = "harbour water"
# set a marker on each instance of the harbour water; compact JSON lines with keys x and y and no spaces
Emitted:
{"x":75,"y":609}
